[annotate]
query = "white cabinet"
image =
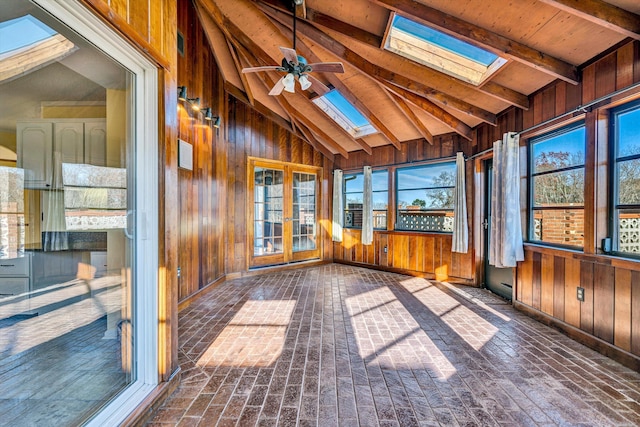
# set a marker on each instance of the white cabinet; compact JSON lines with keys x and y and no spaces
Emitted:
{"x":35,"y":153}
{"x":76,"y":140}
{"x":95,"y":143}
{"x":15,"y":276}
{"x":69,"y":141}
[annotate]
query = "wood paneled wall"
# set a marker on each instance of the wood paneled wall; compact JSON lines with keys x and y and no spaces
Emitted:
{"x":200,"y":191}
{"x":547,"y":280}
{"x":251,"y":134}
{"x":425,"y":254}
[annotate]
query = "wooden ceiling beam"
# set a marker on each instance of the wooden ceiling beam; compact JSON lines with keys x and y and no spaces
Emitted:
{"x":243,"y":77}
{"x":483,"y":38}
{"x":220,"y":49}
{"x":411,"y":116}
{"x":603,"y":14}
{"x":455,"y":124}
{"x":313,"y":141}
{"x":327,"y":21}
{"x":489,"y":88}
{"x":373,"y":71}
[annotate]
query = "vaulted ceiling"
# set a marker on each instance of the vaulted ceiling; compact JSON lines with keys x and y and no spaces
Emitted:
{"x":541,"y":40}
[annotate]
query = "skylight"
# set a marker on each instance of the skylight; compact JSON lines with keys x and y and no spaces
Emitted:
{"x":22,"y":32}
{"x":344,"y":114}
{"x":441,"y":51}
{"x":26,"y":45}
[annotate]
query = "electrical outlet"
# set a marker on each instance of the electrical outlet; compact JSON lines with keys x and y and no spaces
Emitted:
{"x":580,"y":293}
{"x":385,"y":249}
{"x":179,"y":272}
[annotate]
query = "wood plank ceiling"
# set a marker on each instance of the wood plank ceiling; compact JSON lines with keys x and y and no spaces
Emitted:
{"x":541,"y":40}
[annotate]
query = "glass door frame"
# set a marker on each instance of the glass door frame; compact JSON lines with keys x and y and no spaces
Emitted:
{"x":287,"y":255}
{"x":144,"y":217}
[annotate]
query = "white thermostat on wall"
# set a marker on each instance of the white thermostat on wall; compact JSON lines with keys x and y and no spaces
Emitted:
{"x":185,"y":155}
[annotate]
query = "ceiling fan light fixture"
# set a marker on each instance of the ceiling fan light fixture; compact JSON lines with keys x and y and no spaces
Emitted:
{"x":304,"y":82}
{"x":289,"y":83}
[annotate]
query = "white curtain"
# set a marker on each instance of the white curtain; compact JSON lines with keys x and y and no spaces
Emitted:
{"x":367,"y":208}
{"x":336,"y":228}
{"x":460,"y":226}
{"x":55,"y":233}
{"x":505,"y":241}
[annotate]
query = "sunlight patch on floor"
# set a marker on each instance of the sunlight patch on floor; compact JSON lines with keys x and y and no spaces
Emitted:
{"x":388,"y":336}
{"x":476,"y":332}
{"x":254,"y":337}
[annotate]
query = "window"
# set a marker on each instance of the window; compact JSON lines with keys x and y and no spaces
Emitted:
{"x":626,"y":173}
{"x":440,"y":51}
{"x":344,"y":114}
{"x":557,"y":186}
{"x":425,"y":197}
{"x":353,"y":199}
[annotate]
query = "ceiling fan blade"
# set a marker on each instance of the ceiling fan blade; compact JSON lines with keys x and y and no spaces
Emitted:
{"x":265,"y":68}
{"x":327,"y":67}
{"x":277,"y":88}
{"x":290,"y":55}
{"x":317,"y":86}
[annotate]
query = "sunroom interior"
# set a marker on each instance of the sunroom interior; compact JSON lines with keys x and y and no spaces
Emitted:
{"x":490,"y":145}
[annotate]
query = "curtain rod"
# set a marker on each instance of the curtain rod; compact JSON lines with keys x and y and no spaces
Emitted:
{"x":409,"y":162}
{"x":583,"y":108}
{"x":482,"y":153}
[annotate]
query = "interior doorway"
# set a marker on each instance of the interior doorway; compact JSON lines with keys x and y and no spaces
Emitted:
{"x":283,"y":224}
{"x":497,"y":280}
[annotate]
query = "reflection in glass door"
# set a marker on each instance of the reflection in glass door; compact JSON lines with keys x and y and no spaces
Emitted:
{"x":267,"y":199}
{"x":304,"y":211}
{"x":283,"y":224}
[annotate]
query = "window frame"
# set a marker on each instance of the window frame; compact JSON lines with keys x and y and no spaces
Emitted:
{"x":344,"y":197}
{"x":531,"y":208}
{"x":426,"y":165}
{"x":614,"y":206}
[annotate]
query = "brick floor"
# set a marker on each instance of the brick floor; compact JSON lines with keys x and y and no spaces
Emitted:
{"x":344,"y":346}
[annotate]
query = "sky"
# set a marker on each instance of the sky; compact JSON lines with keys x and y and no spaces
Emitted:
{"x":572,"y":142}
{"x":444,"y":41}
{"x":21,"y":32}
{"x":347,"y":109}
{"x":629,"y":137}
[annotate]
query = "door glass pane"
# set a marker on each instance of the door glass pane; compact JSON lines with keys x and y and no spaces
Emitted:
{"x":268,"y":199}
{"x":66,"y":206}
{"x":304,"y":211}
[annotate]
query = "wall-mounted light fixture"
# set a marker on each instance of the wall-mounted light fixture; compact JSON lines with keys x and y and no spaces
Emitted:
{"x":195,"y":103}
{"x":182,"y":96}
{"x":182,"y":93}
{"x":215,"y":120}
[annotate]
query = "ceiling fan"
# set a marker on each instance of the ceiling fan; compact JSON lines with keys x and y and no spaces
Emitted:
{"x":296,"y":67}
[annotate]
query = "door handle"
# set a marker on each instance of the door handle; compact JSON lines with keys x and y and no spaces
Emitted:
{"x":485,"y":224}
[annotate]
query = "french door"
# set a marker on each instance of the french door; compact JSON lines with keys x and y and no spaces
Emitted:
{"x":283,"y":224}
